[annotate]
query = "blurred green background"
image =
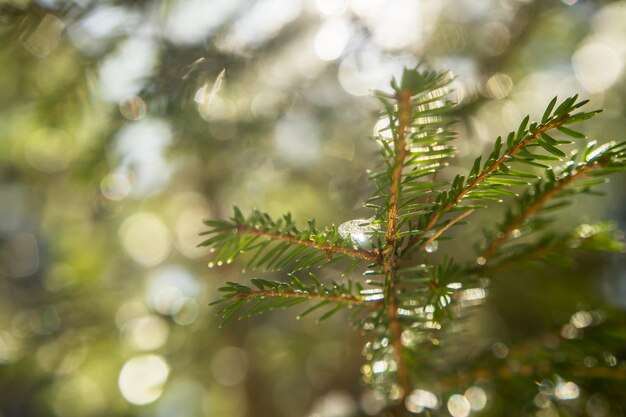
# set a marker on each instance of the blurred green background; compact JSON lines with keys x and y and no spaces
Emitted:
{"x":124,"y":124}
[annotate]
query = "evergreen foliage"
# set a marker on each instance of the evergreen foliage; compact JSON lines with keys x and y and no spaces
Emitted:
{"x":406,"y":301}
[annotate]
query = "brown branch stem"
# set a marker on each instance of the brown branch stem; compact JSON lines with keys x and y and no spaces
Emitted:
{"x":346,"y":250}
{"x":446,"y":227}
{"x":390,"y":263}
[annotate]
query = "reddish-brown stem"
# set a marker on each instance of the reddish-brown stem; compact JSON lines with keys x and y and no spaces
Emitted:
{"x":446,"y":227}
{"x":404,"y":103}
{"x":367,"y":255}
{"x":390,"y":263}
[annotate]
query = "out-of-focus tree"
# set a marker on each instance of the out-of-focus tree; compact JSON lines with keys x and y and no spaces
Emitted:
{"x":122,"y":125}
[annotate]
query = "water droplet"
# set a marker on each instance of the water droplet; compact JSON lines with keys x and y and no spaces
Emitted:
{"x":298,"y":317}
{"x":133,"y":108}
{"x":516,"y":233}
{"x":220,"y":263}
{"x":229,"y":261}
{"x":211,"y":264}
{"x":432,"y":247}
{"x":481,"y":260}
{"x":357,"y":230}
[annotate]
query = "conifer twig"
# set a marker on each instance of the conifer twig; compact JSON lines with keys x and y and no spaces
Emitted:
{"x":328,"y":248}
{"x":446,"y":227}
{"x":342,"y":298}
{"x":533,"y":208}
{"x":436,"y":215}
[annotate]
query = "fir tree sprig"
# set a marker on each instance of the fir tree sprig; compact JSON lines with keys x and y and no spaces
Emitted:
{"x":271,"y":295}
{"x":496,"y":176}
{"x":418,"y":120}
{"x":404,"y":304}
{"x":595,"y":163}
{"x":276,"y":244}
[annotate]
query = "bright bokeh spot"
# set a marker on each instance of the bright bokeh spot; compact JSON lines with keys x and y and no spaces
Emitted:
{"x":192,"y":21}
{"x":331,"y":7}
{"x":146,"y":239}
{"x":115,"y":186}
{"x":459,"y":406}
{"x":186,"y":311}
{"x":142,"y":378}
{"x":124,"y":72}
{"x":566,"y":391}
{"x":581,"y":319}
{"x":141,"y":147}
{"x":297,"y":139}
{"x":146,"y":333}
{"x":331,"y":39}
{"x":420,"y":399}
{"x":361,"y":72}
{"x":334,"y":404}
{"x":262,"y":20}
{"x":168,"y":289}
{"x":396,"y":24}
{"x":105,"y":21}
{"x":133,"y":108}
{"x":498,"y":86}
{"x":597,"y":66}
{"x":477,"y":398}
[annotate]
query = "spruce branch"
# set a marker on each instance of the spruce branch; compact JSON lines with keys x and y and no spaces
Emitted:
{"x":550,"y":188}
{"x":488,"y":170}
{"x":329,"y":249}
{"x":490,"y":182}
{"x":341,"y":298}
{"x":277,"y":244}
{"x":270,"y":295}
{"x":406,"y":304}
